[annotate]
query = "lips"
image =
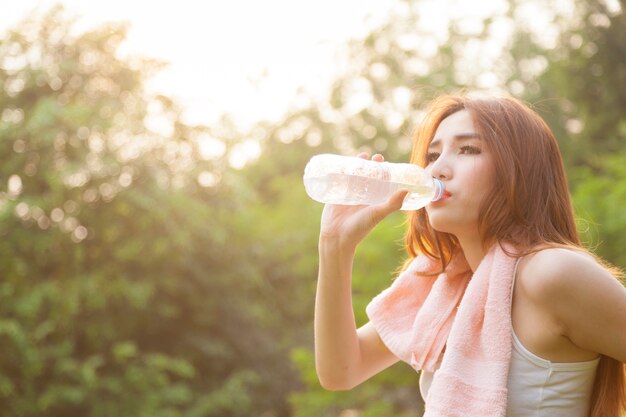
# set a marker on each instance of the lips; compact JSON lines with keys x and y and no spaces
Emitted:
{"x":446,"y":195}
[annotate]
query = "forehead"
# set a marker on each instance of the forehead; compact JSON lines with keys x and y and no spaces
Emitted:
{"x":457,"y":124}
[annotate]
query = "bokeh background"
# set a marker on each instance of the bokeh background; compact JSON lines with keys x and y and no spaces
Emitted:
{"x":158,"y":254}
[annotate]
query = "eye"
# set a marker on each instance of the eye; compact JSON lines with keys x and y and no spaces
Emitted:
{"x":470,"y":150}
{"x":432,"y":156}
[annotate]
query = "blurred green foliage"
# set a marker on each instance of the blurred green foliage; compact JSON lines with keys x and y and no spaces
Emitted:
{"x":134,"y":273}
{"x":143,"y":276}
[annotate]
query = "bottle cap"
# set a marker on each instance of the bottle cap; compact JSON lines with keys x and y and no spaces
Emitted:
{"x":439,"y":189}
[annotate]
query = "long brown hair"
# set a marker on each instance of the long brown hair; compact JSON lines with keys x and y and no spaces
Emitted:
{"x":529,"y":206}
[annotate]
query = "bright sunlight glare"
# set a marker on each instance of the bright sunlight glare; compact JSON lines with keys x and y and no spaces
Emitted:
{"x":246,"y":58}
{"x":251,"y":59}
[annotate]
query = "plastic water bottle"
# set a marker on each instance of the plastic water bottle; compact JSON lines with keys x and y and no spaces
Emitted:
{"x":349,"y":180}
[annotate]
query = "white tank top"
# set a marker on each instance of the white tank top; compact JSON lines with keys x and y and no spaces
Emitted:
{"x":540,"y":388}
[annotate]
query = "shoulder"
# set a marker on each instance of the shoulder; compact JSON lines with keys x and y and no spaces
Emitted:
{"x":580,"y":295}
{"x":552,"y":271}
{"x":567,"y":283}
{"x":559,"y":280}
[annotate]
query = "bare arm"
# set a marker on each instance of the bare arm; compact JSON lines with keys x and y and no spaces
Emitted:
{"x":345,"y":356}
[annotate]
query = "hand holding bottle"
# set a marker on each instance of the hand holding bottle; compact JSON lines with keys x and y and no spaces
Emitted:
{"x":347,"y":225}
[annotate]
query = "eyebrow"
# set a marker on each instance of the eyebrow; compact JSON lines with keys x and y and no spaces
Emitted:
{"x":459,"y":137}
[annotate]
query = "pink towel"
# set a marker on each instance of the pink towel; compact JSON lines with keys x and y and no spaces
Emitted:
{"x":417,"y":320}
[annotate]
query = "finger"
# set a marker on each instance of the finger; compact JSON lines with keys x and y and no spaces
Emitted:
{"x":397,"y":198}
{"x":363,"y":155}
{"x":394,"y":203}
{"x":378,"y":157}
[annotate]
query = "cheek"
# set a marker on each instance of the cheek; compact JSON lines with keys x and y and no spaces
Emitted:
{"x":478,"y":187}
{"x":481,"y":177}
{"x":487,"y":189}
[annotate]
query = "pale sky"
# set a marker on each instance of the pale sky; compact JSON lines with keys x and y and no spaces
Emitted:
{"x":243,"y":57}
{"x":248,"y":58}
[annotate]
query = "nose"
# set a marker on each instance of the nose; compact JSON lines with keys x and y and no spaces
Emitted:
{"x":440,"y":168}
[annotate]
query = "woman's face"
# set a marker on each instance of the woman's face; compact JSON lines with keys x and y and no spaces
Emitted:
{"x":460,"y":158}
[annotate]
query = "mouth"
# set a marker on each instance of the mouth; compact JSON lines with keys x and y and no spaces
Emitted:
{"x":446,"y":195}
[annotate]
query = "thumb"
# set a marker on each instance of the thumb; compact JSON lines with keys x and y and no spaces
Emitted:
{"x":393,"y":204}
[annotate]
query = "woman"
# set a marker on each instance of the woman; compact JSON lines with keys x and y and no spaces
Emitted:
{"x":506,"y":200}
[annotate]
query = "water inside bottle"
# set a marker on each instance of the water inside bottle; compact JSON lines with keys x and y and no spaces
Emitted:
{"x":419,"y":196}
{"x":337,"y":188}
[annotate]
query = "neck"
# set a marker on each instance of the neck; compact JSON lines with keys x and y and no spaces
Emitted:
{"x":473,"y":250}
